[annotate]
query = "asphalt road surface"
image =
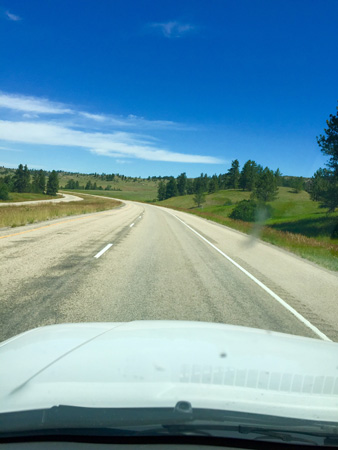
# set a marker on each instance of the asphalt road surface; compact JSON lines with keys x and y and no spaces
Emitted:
{"x":144,"y":262}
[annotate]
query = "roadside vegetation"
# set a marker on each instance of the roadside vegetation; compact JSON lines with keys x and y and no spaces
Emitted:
{"x":14,"y":216}
{"x":298,"y":214}
{"x":25,"y":181}
{"x":297,"y":224}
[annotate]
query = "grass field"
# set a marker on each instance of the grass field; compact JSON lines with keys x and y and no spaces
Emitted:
{"x":129,"y":189}
{"x":14,"y":216}
{"x":298,"y":224}
{"x":140,"y":193}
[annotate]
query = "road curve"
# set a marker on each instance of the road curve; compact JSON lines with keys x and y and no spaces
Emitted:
{"x":145,"y":262}
{"x":64,"y":198}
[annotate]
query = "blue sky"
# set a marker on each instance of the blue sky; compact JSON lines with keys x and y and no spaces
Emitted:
{"x":163,"y":87}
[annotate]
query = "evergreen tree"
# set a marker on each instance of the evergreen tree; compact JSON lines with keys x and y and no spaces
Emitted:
{"x":266,"y":189}
{"x":182,"y":183}
{"x":22,"y":179}
{"x":213,"y":184}
{"x":39,"y":182}
{"x":171,"y":188}
{"x":297,"y":184}
{"x":199,"y":198}
{"x":248,"y":176}
{"x":233,"y":175}
{"x":190,"y":186}
{"x":161,"y":191}
{"x":52,"y":183}
{"x":278,"y":176}
{"x":4,"y":194}
{"x":324,"y":184}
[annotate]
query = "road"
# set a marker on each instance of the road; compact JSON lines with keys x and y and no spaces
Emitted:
{"x":162,"y":264}
{"x":64,"y":198}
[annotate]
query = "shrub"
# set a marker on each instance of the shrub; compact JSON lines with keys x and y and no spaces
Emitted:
{"x":251,"y":211}
{"x":227,"y":202}
{"x":4,"y":192}
{"x":245,"y":210}
{"x":334,"y":234}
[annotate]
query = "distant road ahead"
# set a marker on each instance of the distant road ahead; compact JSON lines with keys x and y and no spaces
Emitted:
{"x":145,"y":262}
{"x":64,"y":198}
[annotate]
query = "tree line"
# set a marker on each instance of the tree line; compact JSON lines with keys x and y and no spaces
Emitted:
{"x":262,"y":182}
{"x":29,"y":181}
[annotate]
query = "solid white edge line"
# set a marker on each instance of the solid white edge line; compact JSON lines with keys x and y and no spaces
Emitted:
{"x":269,"y":291}
{"x":107,"y":247}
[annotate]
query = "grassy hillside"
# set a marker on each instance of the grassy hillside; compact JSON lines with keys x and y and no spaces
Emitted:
{"x":297,"y":224}
{"x":126,"y":189}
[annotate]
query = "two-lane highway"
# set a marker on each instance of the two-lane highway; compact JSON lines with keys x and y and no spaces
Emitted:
{"x":144,"y":262}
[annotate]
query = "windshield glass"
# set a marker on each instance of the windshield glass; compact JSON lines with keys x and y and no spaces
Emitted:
{"x":168,"y":213}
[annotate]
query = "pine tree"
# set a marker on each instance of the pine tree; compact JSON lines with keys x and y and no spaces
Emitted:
{"x":233,"y":175}
{"x":52,"y":183}
{"x":324,"y":184}
{"x":266,"y":189}
{"x":21,"y":179}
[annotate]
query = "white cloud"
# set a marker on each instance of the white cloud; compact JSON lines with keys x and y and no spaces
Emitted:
{"x":96,"y":117}
{"x":172,"y":29}
{"x":13,"y":17}
{"x":30,"y":116}
{"x":32,"y":104}
{"x":7,"y":149}
{"x":119,"y":144}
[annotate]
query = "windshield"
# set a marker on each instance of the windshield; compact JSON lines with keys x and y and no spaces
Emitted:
{"x":168,"y":209}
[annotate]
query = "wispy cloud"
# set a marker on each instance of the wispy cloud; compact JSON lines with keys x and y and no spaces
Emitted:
{"x":32,"y":104}
{"x":39,"y":121}
{"x":7,"y":149}
{"x":115,"y":145}
{"x":96,"y":117}
{"x":11,"y":16}
{"x":172,"y":29}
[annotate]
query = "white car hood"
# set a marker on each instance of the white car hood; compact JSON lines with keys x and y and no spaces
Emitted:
{"x":159,"y":363}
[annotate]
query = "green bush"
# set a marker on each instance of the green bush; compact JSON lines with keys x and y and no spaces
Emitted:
{"x":227,"y":202}
{"x":251,"y":211}
{"x":4,"y":192}
{"x":334,"y":234}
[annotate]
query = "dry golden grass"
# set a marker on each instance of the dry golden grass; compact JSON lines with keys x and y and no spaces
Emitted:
{"x":14,"y":216}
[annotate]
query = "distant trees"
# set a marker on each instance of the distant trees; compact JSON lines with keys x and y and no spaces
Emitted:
{"x":72,"y":184}
{"x":39,"y":182}
{"x":28,"y":181}
{"x":324,"y":184}
{"x":263,"y":183}
{"x":161,"y":191}
{"x":171,"y":188}
{"x":297,"y":184}
{"x":52,"y":183}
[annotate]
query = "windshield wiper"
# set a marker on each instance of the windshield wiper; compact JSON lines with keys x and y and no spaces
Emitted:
{"x":181,"y":420}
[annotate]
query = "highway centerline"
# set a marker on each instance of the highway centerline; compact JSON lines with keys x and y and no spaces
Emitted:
{"x":107,"y":247}
{"x":262,"y":285}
